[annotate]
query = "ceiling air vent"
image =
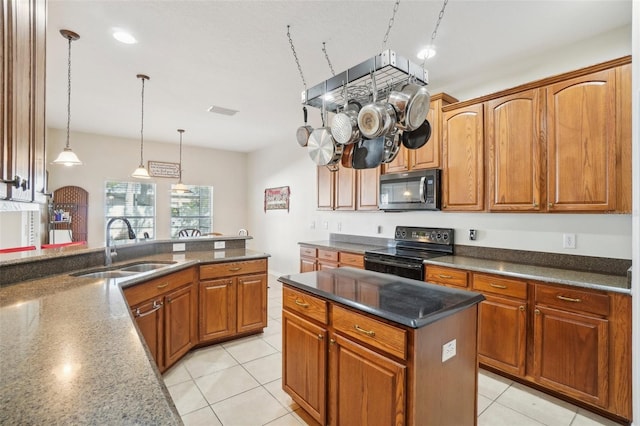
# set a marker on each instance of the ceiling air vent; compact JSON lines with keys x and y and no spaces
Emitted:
{"x":219,"y":110}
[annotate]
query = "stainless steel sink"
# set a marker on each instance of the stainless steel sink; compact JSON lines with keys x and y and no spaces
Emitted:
{"x":106,"y":274}
{"x":144,"y":267}
{"x":124,"y":270}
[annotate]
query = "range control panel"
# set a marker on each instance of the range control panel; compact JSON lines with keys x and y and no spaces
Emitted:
{"x":416,"y":234}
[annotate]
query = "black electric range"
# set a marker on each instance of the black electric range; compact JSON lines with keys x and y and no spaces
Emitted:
{"x":413,"y":245}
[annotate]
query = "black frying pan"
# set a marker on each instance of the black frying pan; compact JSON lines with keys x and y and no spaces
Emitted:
{"x":368,"y":153}
{"x":417,"y":138}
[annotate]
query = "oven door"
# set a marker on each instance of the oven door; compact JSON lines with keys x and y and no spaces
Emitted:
{"x":394,"y":266}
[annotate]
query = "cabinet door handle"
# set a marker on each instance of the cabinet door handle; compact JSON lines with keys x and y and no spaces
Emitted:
{"x":162,"y":286}
{"x":332,"y":341}
{"x":369,"y":333}
{"x":156,"y":307}
{"x":302,"y":303}
{"x":535,"y":204}
{"x":550,"y":204}
{"x":320,"y":337}
{"x":568,"y":299}
{"x":234,"y":269}
{"x":498,"y":286}
{"x":537,"y":311}
{"x":521,"y":308}
{"x":445,"y":276}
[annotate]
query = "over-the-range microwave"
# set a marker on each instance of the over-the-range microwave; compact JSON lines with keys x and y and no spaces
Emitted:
{"x":416,"y":190}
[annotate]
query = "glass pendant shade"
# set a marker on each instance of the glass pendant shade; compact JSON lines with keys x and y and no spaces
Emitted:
{"x":67,"y":157}
{"x":141,"y":173}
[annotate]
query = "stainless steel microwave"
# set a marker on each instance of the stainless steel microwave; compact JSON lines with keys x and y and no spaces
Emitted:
{"x":416,"y":190}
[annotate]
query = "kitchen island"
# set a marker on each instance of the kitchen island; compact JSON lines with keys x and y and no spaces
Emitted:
{"x":70,"y":352}
{"x":360,"y":347}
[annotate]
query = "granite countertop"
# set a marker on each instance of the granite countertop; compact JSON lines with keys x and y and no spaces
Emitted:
{"x":592,"y":280}
{"x":401,"y":300}
{"x":70,"y":352}
{"x":350,"y":247}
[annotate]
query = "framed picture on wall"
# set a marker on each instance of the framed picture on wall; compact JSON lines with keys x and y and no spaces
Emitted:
{"x":276,"y":198}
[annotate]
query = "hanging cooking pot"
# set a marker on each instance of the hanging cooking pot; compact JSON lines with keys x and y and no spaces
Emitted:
{"x":412,"y":103}
{"x":368,"y":153}
{"x":303,"y":132}
{"x":344,"y":126}
{"x":376,"y":119}
{"x":417,"y":138}
{"x":347,"y":155}
{"x":391,"y":147}
{"x":322,"y":148}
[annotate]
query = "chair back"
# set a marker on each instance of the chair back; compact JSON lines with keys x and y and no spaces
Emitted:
{"x":189,"y":232}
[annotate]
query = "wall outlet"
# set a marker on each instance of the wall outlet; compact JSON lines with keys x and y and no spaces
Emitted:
{"x":473,"y":234}
{"x":312,"y":224}
{"x":218,"y":244}
{"x":325,"y":224}
{"x":448,"y":350}
{"x":339,"y":226}
{"x":569,"y":241}
{"x":179,"y":247}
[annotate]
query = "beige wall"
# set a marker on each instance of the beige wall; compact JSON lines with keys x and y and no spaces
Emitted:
{"x":113,"y":158}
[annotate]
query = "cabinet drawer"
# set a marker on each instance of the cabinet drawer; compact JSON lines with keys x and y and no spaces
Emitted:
{"x":442,"y":275}
{"x":352,"y":259}
{"x":304,"y":304}
{"x":229,"y":269}
{"x":573,"y":299}
{"x":380,"y":335}
{"x":328,"y":255}
{"x":307,"y":252}
{"x":158,"y":286}
{"x":500,"y":285}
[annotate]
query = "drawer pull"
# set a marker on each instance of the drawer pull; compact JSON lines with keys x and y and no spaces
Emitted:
{"x":447,"y":277}
{"x":537,"y":311}
{"x":568,"y":299}
{"x":302,"y":303}
{"x":320,"y":337}
{"x":156,"y":306}
{"x":234,"y":269}
{"x":498,"y":286}
{"x":163,"y":285}
{"x":521,"y":308}
{"x":369,"y":333}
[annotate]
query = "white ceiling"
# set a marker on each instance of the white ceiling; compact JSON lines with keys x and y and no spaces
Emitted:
{"x":235,"y":54}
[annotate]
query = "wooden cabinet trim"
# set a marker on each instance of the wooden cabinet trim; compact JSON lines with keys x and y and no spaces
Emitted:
{"x":228,"y":269}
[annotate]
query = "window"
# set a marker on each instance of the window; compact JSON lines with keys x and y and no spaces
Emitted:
{"x":134,"y":200}
{"x":194,"y":210}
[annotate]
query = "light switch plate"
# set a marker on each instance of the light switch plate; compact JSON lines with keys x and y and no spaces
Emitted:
{"x":218,"y":244}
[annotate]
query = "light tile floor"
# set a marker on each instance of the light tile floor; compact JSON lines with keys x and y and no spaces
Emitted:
{"x":238,"y":384}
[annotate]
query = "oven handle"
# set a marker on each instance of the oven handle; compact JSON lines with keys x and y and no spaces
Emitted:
{"x":392,"y":263}
{"x":423,"y":198}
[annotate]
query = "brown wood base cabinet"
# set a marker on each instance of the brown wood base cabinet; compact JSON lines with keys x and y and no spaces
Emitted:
{"x":233,"y":299}
{"x":165,"y":310}
{"x":573,"y":341}
{"x":388,"y":375}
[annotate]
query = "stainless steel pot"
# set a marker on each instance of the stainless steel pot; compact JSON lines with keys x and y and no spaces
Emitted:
{"x":391,"y":147}
{"x":323,"y":149}
{"x":344,"y":126}
{"x":412,"y":104}
{"x":303,"y":132}
{"x":376,"y":120}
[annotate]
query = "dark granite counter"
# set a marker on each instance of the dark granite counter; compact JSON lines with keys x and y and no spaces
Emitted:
{"x":358,"y":248}
{"x":592,"y":280}
{"x":401,"y":300}
{"x":71,"y":354}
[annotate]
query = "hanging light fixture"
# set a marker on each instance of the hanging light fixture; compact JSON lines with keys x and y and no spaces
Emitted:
{"x":181,"y":188}
{"x":67,"y":157}
{"x":141,"y":172}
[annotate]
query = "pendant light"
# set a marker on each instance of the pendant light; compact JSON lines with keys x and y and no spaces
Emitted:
{"x":141,"y":172}
{"x":181,"y":188}
{"x":67,"y":157}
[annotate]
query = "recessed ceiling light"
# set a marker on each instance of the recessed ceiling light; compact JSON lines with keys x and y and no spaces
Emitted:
{"x":124,"y":37}
{"x":427,"y":53}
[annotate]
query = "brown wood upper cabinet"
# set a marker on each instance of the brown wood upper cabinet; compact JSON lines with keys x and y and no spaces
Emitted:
{"x":429,"y":155}
{"x":515,"y":151}
{"x":22,"y":98}
{"x":463,"y":159}
{"x":347,"y":189}
{"x":581,"y":144}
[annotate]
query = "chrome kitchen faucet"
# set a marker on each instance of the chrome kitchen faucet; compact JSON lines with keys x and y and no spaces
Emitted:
{"x":108,"y":253}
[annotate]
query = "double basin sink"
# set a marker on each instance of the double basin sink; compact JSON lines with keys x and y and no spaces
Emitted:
{"x":123,"y":271}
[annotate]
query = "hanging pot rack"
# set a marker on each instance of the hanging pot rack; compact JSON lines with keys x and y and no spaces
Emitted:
{"x":388,"y":69}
